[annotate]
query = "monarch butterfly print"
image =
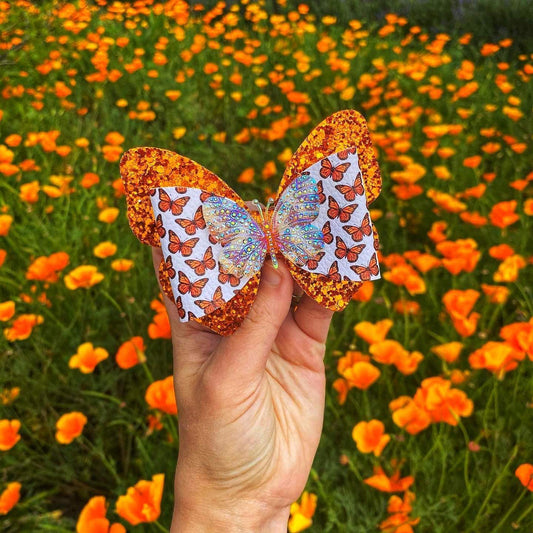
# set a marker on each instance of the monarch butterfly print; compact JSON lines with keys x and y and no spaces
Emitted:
{"x":320,"y":191}
{"x":179,"y":305}
{"x":174,"y":206}
{"x":209,"y":306}
{"x":190,"y":226}
{"x":365,"y":273}
{"x":187,"y":286}
{"x":358,"y":232}
{"x":343,"y":214}
{"x":351,"y":254}
{"x":205,"y":195}
{"x":224,"y":278}
{"x":312,"y":264}
{"x":345,"y":153}
{"x":327,"y":237}
{"x":333,"y":272}
{"x":190,"y":316}
{"x":207,"y":263}
{"x":327,"y":170}
{"x":351,"y":191}
{"x":177,"y":245}
{"x":161,"y":231}
{"x":168,"y":267}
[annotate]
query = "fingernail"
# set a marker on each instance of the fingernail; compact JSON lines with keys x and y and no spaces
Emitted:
{"x":271,"y":275}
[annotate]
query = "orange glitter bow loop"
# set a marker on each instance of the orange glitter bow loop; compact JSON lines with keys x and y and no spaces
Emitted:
{"x":214,"y":247}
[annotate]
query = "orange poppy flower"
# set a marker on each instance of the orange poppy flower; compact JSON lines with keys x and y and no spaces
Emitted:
{"x":370,"y":437}
{"x":442,"y":402}
{"x":160,"y":395}
{"x":301,"y":513}
{"x":459,"y":303}
{"x":9,"y":434}
{"x":361,"y":375}
{"x":7,"y":396}
{"x":364,"y":293}
{"x":3,"y":255}
{"x":83,"y":277}
{"x":525,"y":474}
{"x":407,"y":414}
{"x":406,"y":307}
{"x":90,"y":179}
{"x":509,"y":269}
{"x":70,"y":426}
{"x":448,"y":352}
{"x":160,"y":326}
{"x":5,"y":224}
{"x":342,"y":388}
{"x":436,"y":234}
{"x":114,"y":138}
{"x":87,"y":357}
{"x":460,"y":255}
{"x":384,"y":483}
{"x":105,"y":249}
{"x":406,"y":276}
{"x":501,"y":251}
{"x":122,"y":265}
{"x":496,"y":357}
{"x":9,"y":497}
{"x":108,"y":215}
{"x":29,"y":192}
{"x":22,"y":327}
{"x":373,"y":333}
{"x":520,"y":336}
{"x":131,"y":353}
{"x":142,"y":502}
{"x":503,"y":214}
{"x":496,"y":294}
{"x":93,"y":519}
{"x":472,"y":162}
{"x":46,"y":268}
{"x":423,"y":262}
{"x":7,"y":310}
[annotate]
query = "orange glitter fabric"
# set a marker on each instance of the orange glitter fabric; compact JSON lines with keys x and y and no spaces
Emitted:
{"x":145,"y":168}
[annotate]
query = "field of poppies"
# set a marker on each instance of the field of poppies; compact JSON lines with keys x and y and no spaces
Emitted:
{"x":428,"y":424}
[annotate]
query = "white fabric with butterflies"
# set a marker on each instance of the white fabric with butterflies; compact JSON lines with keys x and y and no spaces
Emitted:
{"x":190,"y":252}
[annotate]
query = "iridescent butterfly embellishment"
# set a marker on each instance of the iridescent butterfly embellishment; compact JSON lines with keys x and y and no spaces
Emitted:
{"x":287,"y":228}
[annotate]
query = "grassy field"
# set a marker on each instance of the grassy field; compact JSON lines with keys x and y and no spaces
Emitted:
{"x":428,"y":423}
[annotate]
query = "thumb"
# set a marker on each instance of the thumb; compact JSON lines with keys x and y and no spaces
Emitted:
{"x":244,"y":354}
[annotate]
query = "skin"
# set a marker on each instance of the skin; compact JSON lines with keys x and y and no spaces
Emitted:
{"x":250,"y":411}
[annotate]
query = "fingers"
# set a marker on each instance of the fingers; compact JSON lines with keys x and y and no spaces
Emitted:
{"x":313,"y":319}
{"x":244,"y":354}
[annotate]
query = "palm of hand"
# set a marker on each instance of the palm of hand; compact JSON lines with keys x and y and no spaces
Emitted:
{"x":250,"y":406}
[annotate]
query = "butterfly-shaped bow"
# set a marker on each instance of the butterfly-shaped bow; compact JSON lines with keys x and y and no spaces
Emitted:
{"x":214,"y":244}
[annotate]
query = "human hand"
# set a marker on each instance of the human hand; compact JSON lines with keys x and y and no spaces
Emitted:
{"x":250,"y":410}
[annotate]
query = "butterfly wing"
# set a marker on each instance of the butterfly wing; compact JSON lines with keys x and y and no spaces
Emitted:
{"x":341,"y":138}
{"x":296,"y":237}
{"x":243,"y":242}
{"x":145,"y":169}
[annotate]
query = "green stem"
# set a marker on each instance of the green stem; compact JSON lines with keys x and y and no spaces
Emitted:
{"x":509,"y":512}
{"x":103,"y":458}
{"x":493,"y":488}
{"x":159,"y":526}
{"x":524,"y":514}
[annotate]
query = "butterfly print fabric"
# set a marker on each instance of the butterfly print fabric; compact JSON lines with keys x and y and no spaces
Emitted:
{"x":329,"y":245}
{"x":341,"y":208}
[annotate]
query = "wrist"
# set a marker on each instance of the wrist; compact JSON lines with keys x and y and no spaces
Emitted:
{"x":242,"y":516}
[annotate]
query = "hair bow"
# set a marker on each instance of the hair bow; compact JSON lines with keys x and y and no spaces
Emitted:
{"x":214,"y":245}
